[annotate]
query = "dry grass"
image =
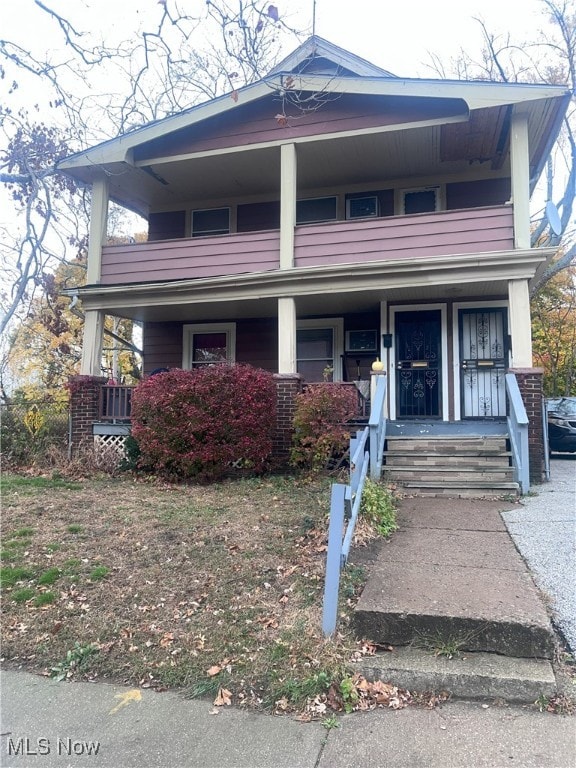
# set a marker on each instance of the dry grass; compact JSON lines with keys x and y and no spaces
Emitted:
{"x":217,"y":590}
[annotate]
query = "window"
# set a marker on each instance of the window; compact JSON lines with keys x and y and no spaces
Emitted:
{"x":319,"y":348}
{"x":423,"y":200}
{"x":211,"y":221}
{"x":315,"y":209}
{"x":210,"y":344}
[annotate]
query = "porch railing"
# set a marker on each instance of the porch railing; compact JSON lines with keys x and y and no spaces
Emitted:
{"x":346,"y":499}
{"x":115,"y":402}
{"x":377,"y":426}
{"x":518,"y":431}
{"x":344,"y":505}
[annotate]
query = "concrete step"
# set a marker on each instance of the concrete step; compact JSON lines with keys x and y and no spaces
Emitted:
{"x":461,"y":490}
{"x":454,"y":475}
{"x":465,"y":675}
{"x":466,"y":589}
{"x":447,"y":445}
{"x":410,"y":459}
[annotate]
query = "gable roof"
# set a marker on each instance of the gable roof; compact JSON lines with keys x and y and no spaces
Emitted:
{"x":316,"y":67}
{"x":319,"y":56}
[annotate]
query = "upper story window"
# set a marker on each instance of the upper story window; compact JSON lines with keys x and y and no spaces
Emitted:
{"x":423,"y":200}
{"x":316,"y":209}
{"x":211,"y":221}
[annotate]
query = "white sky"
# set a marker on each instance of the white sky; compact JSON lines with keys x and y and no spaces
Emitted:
{"x":397,"y":36}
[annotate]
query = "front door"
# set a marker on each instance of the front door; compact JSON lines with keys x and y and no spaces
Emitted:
{"x":418,"y":365}
{"x":483,"y":335}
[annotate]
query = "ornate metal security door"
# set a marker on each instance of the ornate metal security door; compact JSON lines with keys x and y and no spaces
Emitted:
{"x":418,"y":365}
{"x":483,"y":335}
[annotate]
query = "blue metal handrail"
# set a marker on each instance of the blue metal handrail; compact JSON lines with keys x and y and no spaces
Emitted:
{"x":517,"y":420}
{"x":345,"y":500}
{"x":377,"y":427}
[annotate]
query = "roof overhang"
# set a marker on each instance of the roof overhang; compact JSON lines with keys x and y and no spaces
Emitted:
{"x":336,"y":286}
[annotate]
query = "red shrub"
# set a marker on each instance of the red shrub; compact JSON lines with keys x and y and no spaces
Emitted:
{"x":320,"y":434}
{"x":196,"y":424}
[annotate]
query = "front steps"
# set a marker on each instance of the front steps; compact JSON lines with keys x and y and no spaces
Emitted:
{"x":459,"y":466}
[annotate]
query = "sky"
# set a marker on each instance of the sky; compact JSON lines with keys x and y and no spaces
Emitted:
{"x":397,"y":36}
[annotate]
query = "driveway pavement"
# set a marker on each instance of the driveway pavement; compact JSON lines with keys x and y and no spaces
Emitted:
{"x":544,"y":531}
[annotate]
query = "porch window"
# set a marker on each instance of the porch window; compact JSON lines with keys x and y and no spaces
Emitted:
{"x":212,"y":344}
{"x":319,"y":349}
{"x":211,"y":221}
{"x":425,"y":200}
{"x":316,"y":209}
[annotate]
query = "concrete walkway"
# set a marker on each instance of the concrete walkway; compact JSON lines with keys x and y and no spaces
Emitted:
{"x":51,"y":725}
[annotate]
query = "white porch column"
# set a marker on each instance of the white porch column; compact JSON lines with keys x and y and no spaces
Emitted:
{"x":520,"y":323}
{"x":520,"y":161}
{"x":286,"y":335}
{"x":97,"y":234}
{"x":92,"y":343}
{"x":287,"y":205}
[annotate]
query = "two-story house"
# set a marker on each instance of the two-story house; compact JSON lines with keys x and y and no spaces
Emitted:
{"x":324,"y":216}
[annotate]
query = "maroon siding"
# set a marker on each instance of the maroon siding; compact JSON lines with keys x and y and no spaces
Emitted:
{"x":473,"y":194}
{"x":253,"y":217}
{"x":256,"y":344}
{"x":405,"y":237}
{"x":167,"y":225}
{"x":186,"y":259}
{"x":255,"y":123}
{"x":162,"y":346}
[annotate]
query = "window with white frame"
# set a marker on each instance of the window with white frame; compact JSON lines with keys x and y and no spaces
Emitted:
{"x":209,"y":344}
{"x":319,"y":349}
{"x":210,"y":221}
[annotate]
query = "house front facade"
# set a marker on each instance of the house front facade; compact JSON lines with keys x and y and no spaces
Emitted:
{"x":326,"y":216}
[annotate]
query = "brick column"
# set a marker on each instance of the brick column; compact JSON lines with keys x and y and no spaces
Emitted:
{"x":530,"y":383}
{"x":288,"y":385}
{"x":84,"y":407}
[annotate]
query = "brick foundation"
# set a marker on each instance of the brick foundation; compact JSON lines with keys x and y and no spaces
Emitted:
{"x":288,"y":385}
{"x":84,"y":407}
{"x":530,"y":383}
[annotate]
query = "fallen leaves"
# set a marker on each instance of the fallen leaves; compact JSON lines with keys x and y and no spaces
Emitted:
{"x":362,"y":696}
{"x":223,"y":698}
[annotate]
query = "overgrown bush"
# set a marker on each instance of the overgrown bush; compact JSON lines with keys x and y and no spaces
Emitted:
{"x":31,"y":432}
{"x":378,"y":507}
{"x":320,"y":432}
{"x":199,"y":424}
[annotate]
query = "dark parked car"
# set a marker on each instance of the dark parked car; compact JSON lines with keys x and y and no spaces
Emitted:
{"x":562,"y":425}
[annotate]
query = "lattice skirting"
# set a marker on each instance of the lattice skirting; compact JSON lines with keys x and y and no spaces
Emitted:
{"x":109,"y":447}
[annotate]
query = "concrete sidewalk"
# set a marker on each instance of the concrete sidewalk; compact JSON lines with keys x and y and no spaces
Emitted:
{"x":50,"y":725}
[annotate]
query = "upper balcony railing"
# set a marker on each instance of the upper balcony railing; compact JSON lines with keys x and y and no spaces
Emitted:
{"x":444,"y":233}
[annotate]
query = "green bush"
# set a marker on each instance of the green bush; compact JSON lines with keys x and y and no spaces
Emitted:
{"x":378,"y":507}
{"x":320,"y":432}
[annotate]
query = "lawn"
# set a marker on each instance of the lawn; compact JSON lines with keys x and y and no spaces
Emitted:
{"x":215,"y":590}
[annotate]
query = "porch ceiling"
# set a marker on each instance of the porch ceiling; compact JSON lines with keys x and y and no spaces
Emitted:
{"x":343,"y":161}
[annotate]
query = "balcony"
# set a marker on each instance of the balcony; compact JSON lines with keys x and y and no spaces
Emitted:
{"x":444,"y":233}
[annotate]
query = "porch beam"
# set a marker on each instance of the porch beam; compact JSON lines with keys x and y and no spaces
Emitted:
{"x":98,"y":227}
{"x":520,"y":162}
{"x":286,"y":335}
{"x":92,"y":343}
{"x":520,"y":323}
{"x":288,"y":186}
